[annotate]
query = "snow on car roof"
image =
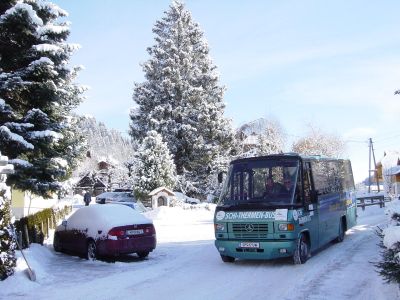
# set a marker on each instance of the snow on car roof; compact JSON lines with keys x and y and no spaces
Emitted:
{"x":100,"y":217}
{"x":117,"y":195}
{"x":108,"y":194}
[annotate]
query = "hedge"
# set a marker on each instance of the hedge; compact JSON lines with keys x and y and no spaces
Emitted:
{"x":38,"y":224}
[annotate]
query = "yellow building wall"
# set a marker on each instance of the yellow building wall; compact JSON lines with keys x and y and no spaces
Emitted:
{"x":25,"y":203}
{"x":17,"y":198}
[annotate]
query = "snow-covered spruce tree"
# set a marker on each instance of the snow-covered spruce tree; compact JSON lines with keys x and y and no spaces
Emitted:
{"x":317,"y":142}
{"x":37,"y":95}
{"x":389,"y":266}
{"x":7,"y":244}
{"x":154,"y":166}
{"x":181,"y":98}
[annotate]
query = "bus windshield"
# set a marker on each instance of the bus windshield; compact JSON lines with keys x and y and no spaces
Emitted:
{"x":270,"y":182}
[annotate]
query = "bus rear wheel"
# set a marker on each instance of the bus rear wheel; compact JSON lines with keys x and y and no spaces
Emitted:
{"x":302,"y":251}
{"x":341,"y":233}
{"x":227,"y":259}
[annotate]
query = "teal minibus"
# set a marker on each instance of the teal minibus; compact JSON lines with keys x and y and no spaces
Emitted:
{"x":284,"y":205}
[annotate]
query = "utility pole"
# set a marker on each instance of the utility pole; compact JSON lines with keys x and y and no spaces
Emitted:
{"x":372,"y":153}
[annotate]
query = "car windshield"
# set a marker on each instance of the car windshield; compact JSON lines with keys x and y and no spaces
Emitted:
{"x":270,"y":182}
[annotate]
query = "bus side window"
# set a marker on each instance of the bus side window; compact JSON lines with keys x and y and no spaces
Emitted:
{"x":307,"y":182}
{"x":299,"y":189}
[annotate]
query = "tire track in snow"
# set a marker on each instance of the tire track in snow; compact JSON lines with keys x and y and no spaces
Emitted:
{"x":345,"y":256}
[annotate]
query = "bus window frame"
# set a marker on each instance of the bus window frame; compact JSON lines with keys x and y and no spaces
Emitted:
{"x":313,"y":197}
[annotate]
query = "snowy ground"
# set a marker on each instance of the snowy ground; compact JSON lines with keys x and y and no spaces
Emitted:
{"x":186,"y":265}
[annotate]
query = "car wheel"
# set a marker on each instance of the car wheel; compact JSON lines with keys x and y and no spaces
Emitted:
{"x":143,"y":254}
{"x":56,"y":243}
{"x":227,"y":259}
{"x":341,"y":233}
{"x":91,"y":253}
{"x":302,"y":251}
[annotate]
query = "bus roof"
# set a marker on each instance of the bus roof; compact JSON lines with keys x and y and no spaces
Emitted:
{"x":292,"y":155}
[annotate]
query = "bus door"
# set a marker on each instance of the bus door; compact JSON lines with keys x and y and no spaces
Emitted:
{"x":329,"y":209}
{"x":310,"y":219}
{"x":329,"y":200}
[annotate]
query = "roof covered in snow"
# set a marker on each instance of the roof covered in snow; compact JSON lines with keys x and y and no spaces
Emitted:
{"x":162,"y":189}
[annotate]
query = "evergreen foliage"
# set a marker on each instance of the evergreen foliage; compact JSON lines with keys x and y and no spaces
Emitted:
{"x":154,"y":166}
{"x":389,"y":266}
{"x":7,"y":244}
{"x":182,"y":100}
{"x":37,"y":95}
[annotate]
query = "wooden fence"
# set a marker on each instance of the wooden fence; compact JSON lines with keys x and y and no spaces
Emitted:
{"x":372,"y":200}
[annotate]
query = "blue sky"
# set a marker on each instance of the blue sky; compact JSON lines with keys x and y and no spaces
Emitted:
{"x":334,"y":64}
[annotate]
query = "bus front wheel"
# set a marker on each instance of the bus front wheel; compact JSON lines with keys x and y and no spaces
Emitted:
{"x":302,"y":251}
{"x":227,"y":259}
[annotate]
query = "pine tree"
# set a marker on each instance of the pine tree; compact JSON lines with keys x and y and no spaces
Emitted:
{"x":7,"y":244}
{"x":181,"y":98}
{"x":37,"y":95}
{"x":154,"y":166}
{"x":389,"y":266}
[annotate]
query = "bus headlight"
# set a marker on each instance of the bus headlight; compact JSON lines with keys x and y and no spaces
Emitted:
{"x":219,"y":227}
{"x":286,"y":227}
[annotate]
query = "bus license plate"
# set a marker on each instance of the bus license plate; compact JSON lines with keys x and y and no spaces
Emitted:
{"x":133,"y":232}
{"x":249,"y":245}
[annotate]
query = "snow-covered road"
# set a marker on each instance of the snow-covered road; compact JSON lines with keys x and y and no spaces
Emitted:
{"x":186,"y":265}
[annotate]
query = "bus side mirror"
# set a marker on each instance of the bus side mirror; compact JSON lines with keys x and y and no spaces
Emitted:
{"x":220,"y":177}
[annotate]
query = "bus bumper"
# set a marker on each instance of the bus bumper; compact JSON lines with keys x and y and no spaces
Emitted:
{"x":265,"y":250}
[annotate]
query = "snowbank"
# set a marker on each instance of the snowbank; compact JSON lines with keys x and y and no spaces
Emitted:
{"x":392,"y":233}
{"x":182,"y":214}
{"x":391,"y":236}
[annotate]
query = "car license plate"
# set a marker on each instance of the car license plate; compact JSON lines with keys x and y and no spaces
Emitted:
{"x":133,"y":232}
{"x":249,"y":245}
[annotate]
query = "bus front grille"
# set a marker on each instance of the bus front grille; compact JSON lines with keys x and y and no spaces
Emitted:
{"x":250,"y":230}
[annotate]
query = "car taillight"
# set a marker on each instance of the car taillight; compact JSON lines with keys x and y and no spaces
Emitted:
{"x":116,"y":232}
{"x":149,"y":229}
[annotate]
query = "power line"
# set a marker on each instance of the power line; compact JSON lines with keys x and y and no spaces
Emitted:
{"x":388,"y":138}
{"x":356,"y":141}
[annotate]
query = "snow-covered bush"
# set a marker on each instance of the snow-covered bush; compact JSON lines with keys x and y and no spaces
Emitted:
{"x":389,"y":267}
{"x":7,"y":244}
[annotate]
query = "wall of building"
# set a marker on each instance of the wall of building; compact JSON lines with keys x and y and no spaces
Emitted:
{"x":26,"y":203}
